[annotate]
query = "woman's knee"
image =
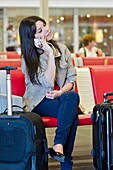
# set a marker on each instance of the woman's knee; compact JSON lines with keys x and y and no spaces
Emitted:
{"x":73,"y":96}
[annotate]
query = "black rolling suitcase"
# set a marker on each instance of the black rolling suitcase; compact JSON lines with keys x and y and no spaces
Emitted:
{"x":23,"y":144}
{"x":102,"y":118}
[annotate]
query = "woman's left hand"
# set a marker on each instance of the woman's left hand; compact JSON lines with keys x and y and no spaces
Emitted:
{"x":53,"y":94}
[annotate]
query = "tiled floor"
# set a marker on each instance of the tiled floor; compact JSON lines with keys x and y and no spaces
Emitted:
{"x":82,"y":150}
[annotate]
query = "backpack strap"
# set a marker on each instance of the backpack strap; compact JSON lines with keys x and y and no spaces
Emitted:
{"x":84,"y":52}
{"x":45,"y":155}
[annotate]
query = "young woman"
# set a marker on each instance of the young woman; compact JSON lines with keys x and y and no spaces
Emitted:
{"x":46,"y":63}
{"x":12,"y":43}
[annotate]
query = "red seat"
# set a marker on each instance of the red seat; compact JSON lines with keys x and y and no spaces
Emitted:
{"x":10,"y":62}
{"x":102,"y":81}
{"x":52,"y":122}
{"x":88,"y":61}
{"x":11,"y":54}
{"x":18,"y":83}
{"x":84,"y":120}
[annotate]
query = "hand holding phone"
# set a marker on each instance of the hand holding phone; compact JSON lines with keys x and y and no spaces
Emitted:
{"x":48,"y":96}
{"x":38,"y":43}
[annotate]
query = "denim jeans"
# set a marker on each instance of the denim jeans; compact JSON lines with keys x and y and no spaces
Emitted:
{"x":65,"y":109}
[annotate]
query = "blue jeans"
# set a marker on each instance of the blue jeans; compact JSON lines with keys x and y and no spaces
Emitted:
{"x":65,"y":108}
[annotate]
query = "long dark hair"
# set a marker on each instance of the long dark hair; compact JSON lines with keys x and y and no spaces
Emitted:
{"x":27,"y":30}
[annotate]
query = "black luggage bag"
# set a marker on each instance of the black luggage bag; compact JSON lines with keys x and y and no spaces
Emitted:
{"x":23,"y":144}
{"x":102,"y":132}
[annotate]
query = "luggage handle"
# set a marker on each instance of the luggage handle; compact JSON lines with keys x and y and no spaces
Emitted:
{"x":8,"y":82}
{"x":106,"y":95}
{"x":22,"y":108}
{"x":8,"y":68}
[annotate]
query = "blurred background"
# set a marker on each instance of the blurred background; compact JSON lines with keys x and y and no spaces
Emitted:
{"x":69,"y":20}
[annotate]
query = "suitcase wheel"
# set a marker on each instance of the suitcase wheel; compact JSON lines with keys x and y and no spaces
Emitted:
{"x":93,"y":153}
{"x":93,"y":117}
{"x":103,"y":155}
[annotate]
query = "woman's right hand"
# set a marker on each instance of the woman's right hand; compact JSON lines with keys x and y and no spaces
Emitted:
{"x":53,"y":94}
{"x":43,"y":44}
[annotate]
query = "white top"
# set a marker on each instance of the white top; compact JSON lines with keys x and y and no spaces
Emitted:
{"x":91,"y":53}
{"x":11,"y":38}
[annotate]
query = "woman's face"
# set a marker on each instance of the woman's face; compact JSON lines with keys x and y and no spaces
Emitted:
{"x":91,"y":44}
{"x":43,"y":30}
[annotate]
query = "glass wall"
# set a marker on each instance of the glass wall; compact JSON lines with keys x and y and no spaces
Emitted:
{"x":61,"y":23}
{"x":98,"y":22}
{"x":14,"y":16}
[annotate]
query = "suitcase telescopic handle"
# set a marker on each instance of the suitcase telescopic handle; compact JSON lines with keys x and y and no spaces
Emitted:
{"x":106,"y":95}
{"x":9,"y":92}
{"x":8,"y":68}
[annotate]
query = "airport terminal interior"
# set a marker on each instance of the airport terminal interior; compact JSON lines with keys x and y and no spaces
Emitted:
{"x":69,"y":21}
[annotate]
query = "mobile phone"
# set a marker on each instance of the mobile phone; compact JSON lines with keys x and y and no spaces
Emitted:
{"x":49,"y":97}
{"x":38,"y":43}
{"x":36,"y":40}
{"x":39,"y":50}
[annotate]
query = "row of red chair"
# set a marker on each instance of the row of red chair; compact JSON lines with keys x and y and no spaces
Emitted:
{"x":88,"y":61}
{"x":10,"y":62}
{"x":9,"y":55}
{"x":13,"y":59}
{"x":85,"y":60}
{"x":98,"y":60}
{"x":102,"y":82}
{"x":10,"y":58}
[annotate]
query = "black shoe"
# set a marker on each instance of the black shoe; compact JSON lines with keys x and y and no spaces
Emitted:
{"x":56,"y":155}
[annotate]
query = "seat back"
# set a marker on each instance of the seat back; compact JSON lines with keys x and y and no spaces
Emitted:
{"x":9,"y":55}
{"x":18,"y":82}
{"x":109,"y":60}
{"x":93,"y":61}
{"x":102,"y":81}
{"x":18,"y":89}
{"x":10,"y":62}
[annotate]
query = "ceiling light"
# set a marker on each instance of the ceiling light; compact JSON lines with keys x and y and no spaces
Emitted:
{"x":108,"y":15}
{"x":88,"y":15}
{"x":62,"y":18}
